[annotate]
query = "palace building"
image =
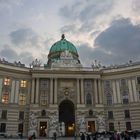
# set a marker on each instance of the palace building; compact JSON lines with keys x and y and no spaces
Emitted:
{"x":64,"y":97}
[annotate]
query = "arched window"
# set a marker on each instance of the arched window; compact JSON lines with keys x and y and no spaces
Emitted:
{"x":88,"y":99}
{"x":109,"y":99}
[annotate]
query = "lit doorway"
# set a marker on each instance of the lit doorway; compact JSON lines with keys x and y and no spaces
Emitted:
{"x":43,"y":129}
{"x":67,"y":115}
{"x":91,"y":126}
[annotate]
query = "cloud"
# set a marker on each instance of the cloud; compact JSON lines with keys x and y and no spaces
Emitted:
{"x":136,"y":6}
{"x":24,"y":36}
{"x":88,"y":55}
{"x":9,"y":4}
{"x":8,"y":53}
{"x":11,"y":55}
{"x":120,"y":41}
{"x":26,"y":58}
{"x":84,"y":10}
{"x":85,"y":13}
{"x":94,"y":9}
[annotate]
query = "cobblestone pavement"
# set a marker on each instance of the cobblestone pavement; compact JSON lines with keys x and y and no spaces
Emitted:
{"x":60,"y":138}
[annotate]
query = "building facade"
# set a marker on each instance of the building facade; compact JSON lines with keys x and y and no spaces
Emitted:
{"x":64,"y":97}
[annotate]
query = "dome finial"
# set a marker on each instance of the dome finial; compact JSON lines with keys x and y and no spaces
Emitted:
{"x":63,"y":36}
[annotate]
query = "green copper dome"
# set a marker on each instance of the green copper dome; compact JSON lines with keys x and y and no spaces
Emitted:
{"x":63,"y":45}
{"x":62,"y":49}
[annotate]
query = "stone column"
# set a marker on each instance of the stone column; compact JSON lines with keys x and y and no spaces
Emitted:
{"x":100,"y":92}
{"x":82,"y":92}
{"x":51,"y":91}
{"x":104,"y":99}
{"x":134,"y":90}
{"x":33,"y":91}
{"x":37,"y":91}
{"x":114,"y":92}
{"x":28,"y":96}
{"x":1,"y":84}
{"x":55,"y":91}
{"x":78,"y":92}
{"x":12,"y":91}
{"x":130,"y":90}
{"x":118,"y":91}
{"x":17,"y":92}
{"x":95,"y":91}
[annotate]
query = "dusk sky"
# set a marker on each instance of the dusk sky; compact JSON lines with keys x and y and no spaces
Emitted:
{"x":105,"y":30}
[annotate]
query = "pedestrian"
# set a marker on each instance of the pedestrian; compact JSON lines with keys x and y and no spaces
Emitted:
{"x":82,"y":136}
{"x":135,"y":135}
{"x":88,"y":137}
{"x":116,"y":136}
{"x":54,"y":135}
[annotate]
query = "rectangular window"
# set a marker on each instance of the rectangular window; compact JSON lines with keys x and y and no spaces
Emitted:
{"x":125,"y":97}
{"x":110,"y":114}
{"x":123,"y":82}
{"x":43,"y":97}
{"x":3,"y":127}
{"x":88,"y":84}
{"x":20,"y":127}
{"x":6,"y":81}
{"x":138,"y":80}
{"x":21,"y":115}
{"x":44,"y":84}
{"x":109,"y":100}
{"x":4,"y":114}
{"x":111,"y":126}
{"x":107,"y":84}
{"x":138,"y":93}
{"x":22,"y":99}
{"x":5,"y":97}
{"x":127,"y":114}
{"x":23,"y":83}
{"x":128,"y":125}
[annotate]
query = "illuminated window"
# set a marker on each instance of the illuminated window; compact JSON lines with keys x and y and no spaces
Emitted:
{"x":22,"y":99}
{"x":7,"y":81}
{"x":23,"y":83}
{"x":5,"y":97}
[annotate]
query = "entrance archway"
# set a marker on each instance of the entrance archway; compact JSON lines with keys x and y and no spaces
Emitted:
{"x":67,"y":115}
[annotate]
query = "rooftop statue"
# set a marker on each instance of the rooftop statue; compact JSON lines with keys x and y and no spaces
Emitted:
{"x":96,"y":64}
{"x":35,"y":63}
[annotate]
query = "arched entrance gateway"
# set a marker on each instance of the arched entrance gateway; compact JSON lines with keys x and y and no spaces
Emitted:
{"x":67,"y":115}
